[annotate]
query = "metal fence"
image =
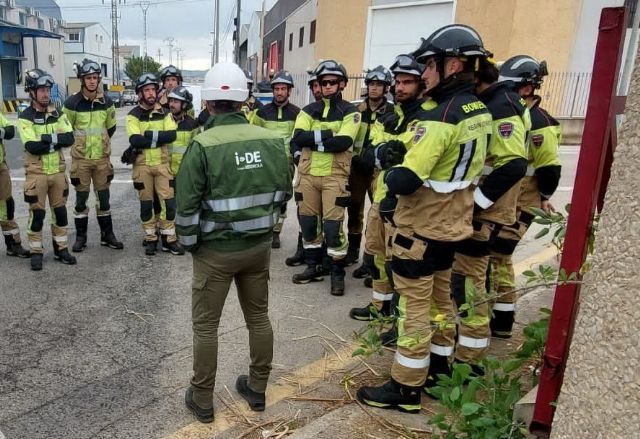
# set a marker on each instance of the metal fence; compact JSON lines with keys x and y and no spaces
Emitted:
{"x":565,"y":94}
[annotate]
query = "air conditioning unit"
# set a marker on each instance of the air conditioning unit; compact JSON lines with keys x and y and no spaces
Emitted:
{"x":11,"y":3}
{"x":31,"y":12}
{"x":52,"y":59}
{"x":38,"y":14}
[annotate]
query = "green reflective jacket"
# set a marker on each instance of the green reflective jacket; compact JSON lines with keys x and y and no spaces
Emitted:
{"x":93,"y":121}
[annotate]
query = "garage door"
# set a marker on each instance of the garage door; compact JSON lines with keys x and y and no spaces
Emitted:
{"x":394,"y":29}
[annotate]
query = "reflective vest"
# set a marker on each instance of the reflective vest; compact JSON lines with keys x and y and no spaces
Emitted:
{"x":368,"y":120}
{"x":140,"y":120}
{"x":231,"y":184}
{"x":280,"y":119}
{"x":91,"y":121}
{"x":187,"y":130}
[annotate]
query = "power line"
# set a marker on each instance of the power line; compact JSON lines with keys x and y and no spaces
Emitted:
{"x":129,"y":5}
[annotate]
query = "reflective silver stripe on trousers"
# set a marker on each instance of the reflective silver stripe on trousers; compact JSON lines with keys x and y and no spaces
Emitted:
{"x":445,"y":187}
{"x":238,"y":203}
{"x":35,"y":244}
{"x":504,"y":306}
{"x":443,"y":351}
{"x":262,"y":222}
{"x":461,"y":169}
{"x":474,"y":343}
{"x":60,"y":238}
{"x":11,"y":232}
{"x":186,"y":221}
{"x":336,"y":253}
{"x":412,"y":363}
{"x":188,"y":239}
{"x":382,"y":297}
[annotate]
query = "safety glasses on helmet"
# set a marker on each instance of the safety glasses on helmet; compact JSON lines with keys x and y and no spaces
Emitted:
{"x":90,"y":67}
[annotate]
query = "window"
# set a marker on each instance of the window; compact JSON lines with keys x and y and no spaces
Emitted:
{"x":23,"y":18}
{"x":312,"y":32}
{"x":40,"y":23}
{"x":104,"y":70}
{"x":301,"y":40}
{"x":74,"y":36}
{"x":290,"y":41}
{"x":3,"y":13}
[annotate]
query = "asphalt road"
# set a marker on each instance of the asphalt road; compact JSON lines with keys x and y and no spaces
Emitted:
{"x":102,"y":349}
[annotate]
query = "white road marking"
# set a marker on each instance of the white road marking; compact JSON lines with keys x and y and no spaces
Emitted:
{"x":115,"y":181}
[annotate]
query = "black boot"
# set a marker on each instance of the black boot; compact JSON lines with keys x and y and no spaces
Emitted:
{"x":370,"y":311}
{"x":389,"y":338}
{"x":81,"y":234}
{"x":36,"y":261}
{"x":63,"y":255}
{"x":313,"y":272}
{"x":15,"y":248}
{"x":275,"y":241}
{"x":204,"y":415}
{"x":337,"y":278}
{"x":353,"y":251}
{"x":326,"y":261}
{"x":368,"y":282}
{"x":174,"y":247}
{"x":256,"y":400}
{"x":502,"y":321}
{"x":391,"y":395}
{"x":438,"y":365}
{"x":298,"y":256}
{"x":150,"y":247}
{"x":106,"y":233}
{"x":363,"y":271}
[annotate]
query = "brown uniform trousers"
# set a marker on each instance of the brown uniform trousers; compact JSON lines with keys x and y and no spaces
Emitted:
{"x":213,"y":272}
{"x":376,"y":245}
{"x":150,"y":180}
{"x":7,"y":205}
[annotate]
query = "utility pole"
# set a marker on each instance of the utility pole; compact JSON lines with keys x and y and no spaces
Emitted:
{"x":115,"y":46}
{"x":236,"y":49}
{"x":261,"y":50}
{"x":144,"y":5}
{"x":179,"y":58}
{"x":217,"y":35}
{"x":159,"y":55}
{"x":169,"y":41}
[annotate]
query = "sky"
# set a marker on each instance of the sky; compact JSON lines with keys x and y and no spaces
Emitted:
{"x":188,"y":22}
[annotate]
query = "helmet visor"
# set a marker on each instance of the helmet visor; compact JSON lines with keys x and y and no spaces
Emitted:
{"x":376,"y":75}
{"x":407,"y":64}
{"x":45,"y":81}
{"x":90,"y":67}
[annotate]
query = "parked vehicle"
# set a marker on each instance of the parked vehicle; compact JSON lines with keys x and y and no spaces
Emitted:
{"x":116,"y":97}
{"x":129,"y":97}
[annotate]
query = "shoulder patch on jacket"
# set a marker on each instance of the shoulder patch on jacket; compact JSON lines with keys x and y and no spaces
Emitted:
{"x":505,"y":129}
{"x":537,"y":140}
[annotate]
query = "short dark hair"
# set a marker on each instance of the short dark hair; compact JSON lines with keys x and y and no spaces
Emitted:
{"x":225,"y":106}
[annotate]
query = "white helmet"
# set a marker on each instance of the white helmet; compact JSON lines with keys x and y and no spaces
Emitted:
{"x":225,"y":82}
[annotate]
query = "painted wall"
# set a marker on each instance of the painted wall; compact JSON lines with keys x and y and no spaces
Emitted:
{"x":298,"y":59}
{"x":95,"y":44}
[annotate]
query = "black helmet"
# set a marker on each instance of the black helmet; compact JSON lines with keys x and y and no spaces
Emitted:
{"x":451,"y":40}
{"x":380,"y":73}
{"x":182,"y":94}
{"x":36,"y":78}
{"x":407,"y":64}
{"x":330,"y":67}
{"x":249,"y":76}
{"x":146,"y":79}
{"x":312,"y":76}
{"x":170,"y":70}
{"x":87,"y":67}
{"x":523,"y":70}
{"x":282,"y":77}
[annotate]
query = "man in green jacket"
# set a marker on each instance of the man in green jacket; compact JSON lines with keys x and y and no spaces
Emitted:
{"x":232,"y":182}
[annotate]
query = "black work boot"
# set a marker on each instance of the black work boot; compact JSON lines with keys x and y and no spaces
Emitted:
{"x":353,"y":251}
{"x":256,"y":400}
{"x":326,"y":261}
{"x":391,"y":395}
{"x":63,"y":255}
{"x":204,"y":415}
{"x":298,"y":256}
{"x":174,"y":247}
{"x":438,"y":365}
{"x":275,"y":241}
{"x":370,"y":311}
{"x":502,"y":321}
{"x":107,"y":237}
{"x":337,"y":278}
{"x":363,"y":270}
{"x":368,"y":282}
{"x":15,"y":248}
{"x":81,"y":234}
{"x":36,"y":261}
{"x":390,"y":337}
{"x":313,"y":272}
{"x":151,"y":247}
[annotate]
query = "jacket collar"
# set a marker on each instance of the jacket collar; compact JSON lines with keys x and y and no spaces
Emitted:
{"x":453,"y":88}
{"x":225,"y":119}
{"x":488,"y":94}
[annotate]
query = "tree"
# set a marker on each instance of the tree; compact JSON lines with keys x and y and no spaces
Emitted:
{"x":136,"y":66}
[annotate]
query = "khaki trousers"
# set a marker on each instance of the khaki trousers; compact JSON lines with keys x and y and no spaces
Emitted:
{"x":213,"y":272}
{"x":375,"y":245}
{"x":7,"y":221}
{"x":37,"y":188}
{"x":150,"y":180}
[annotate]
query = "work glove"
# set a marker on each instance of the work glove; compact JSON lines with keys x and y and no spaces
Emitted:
{"x":391,"y":153}
{"x":388,"y":208}
{"x":129,"y":155}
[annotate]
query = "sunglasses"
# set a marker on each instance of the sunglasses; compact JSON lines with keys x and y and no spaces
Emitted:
{"x":329,"y":82}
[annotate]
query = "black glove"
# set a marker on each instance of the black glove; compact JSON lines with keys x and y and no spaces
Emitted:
{"x":388,"y":208}
{"x":296,"y":157}
{"x":391,"y":153}
{"x":129,"y":155}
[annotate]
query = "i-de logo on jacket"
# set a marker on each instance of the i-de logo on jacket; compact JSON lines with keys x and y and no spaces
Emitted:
{"x":248,"y":160}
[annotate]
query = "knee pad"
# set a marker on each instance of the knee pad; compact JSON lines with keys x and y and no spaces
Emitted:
{"x":332,"y":233}
{"x":170,"y":208}
{"x":473,"y":248}
{"x":309,"y":227}
{"x":146,"y":210}
{"x":103,"y":200}
{"x":61,"y":216}
{"x":504,"y":246}
{"x":37,"y":220}
{"x":11,"y":208}
{"x":81,"y":201}
{"x":157,"y":206}
{"x":411,"y":269}
{"x":458,"y":290}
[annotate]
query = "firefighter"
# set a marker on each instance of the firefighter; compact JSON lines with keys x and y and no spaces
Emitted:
{"x":170,"y":78}
{"x":151,"y":129}
{"x":180,"y":102}
{"x":227,"y":208}
{"x":93,"y":118}
{"x":392,"y":126}
{"x":44,"y":132}
{"x":525,"y":75}
{"x":495,"y":206}
{"x":430,"y":199}
{"x":252,"y":104}
{"x":9,"y":226}
{"x":375,"y":105}
{"x":279,"y":116}
{"x":298,"y":257}
{"x":323,"y":139}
